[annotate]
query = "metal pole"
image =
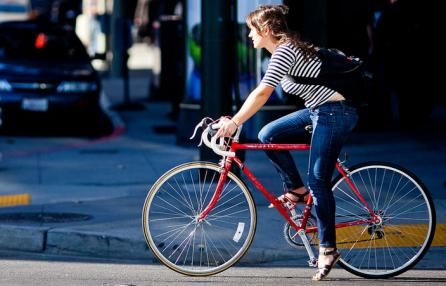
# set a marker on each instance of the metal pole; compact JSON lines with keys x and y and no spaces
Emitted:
{"x":117,"y":35}
{"x":217,"y":60}
{"x":121,"y":40}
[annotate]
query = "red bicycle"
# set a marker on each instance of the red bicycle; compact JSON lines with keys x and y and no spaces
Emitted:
{"x":199,"y":218}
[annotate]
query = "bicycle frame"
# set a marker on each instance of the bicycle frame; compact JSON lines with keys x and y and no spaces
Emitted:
{"x":226,"y":166}
{"x":199,"y":218}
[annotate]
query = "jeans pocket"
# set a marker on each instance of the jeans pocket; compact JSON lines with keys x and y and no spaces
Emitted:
{"x":326,"y":117}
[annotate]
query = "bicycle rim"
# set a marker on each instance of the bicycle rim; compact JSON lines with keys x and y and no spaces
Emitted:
{"x":198,"y":248}
{"x":405,"y":232}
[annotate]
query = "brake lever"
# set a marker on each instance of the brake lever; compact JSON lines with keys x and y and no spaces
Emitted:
{"x":203,"y":124}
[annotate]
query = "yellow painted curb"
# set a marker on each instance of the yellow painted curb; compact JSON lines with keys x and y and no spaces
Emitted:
{"x":408,"y":235}
{"x":14,"y":200}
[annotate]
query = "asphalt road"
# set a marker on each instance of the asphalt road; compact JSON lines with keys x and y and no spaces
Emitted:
{"x":48,"y":273}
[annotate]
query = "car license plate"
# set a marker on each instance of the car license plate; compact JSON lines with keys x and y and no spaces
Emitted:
{"x":33,"y":104}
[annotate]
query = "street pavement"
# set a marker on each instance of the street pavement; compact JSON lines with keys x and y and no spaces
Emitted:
{"x":88,"y":194}
{"x":49,"y":273}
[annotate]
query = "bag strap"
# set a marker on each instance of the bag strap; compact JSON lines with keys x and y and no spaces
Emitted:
{"x":335,"y":66}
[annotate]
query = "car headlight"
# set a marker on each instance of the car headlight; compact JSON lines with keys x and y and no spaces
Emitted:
{"x":4,"y":85}
{"x":77,"y":86}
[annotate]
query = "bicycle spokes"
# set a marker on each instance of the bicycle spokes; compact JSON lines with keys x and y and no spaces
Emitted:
{"x":398,"y":233}
{"x":183,"y":240}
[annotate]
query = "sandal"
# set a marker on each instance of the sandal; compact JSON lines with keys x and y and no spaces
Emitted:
{"x":290,"y":197}
{"x":323,"y":271}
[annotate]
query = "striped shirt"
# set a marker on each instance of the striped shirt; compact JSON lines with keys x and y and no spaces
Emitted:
{"x":289,"y":60}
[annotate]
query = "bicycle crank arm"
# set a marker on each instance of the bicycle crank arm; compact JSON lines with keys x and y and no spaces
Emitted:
{"x":312,"y":262}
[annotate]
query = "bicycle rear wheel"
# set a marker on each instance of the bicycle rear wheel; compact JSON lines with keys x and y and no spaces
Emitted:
{"x":407,"y":220}
{"x":170,"y":223}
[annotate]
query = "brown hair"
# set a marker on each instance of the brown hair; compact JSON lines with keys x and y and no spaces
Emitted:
{"x":273,"y":17}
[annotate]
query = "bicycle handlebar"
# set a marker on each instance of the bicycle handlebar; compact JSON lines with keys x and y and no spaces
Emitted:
{"x":218,"y":147}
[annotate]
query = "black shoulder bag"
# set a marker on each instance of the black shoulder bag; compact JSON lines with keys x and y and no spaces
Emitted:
{"x":341,"y":73}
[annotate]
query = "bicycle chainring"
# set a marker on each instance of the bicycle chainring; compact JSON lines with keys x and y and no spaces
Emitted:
{"x":291,"y":236}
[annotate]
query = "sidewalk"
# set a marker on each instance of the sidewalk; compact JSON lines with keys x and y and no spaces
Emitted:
{"x":93,"y":191}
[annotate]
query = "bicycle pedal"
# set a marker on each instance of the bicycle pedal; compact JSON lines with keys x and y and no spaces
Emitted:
{"x":312,"y":262}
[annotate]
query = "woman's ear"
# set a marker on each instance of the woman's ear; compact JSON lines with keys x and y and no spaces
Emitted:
{"x":266,"y":32}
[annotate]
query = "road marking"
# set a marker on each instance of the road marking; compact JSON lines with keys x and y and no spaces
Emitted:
{"x":14,"y":200}
{"x":408,"y":235}
{"x":440,"y":235}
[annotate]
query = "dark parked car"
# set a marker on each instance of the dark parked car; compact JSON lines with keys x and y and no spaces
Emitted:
{"x":46,"y":75}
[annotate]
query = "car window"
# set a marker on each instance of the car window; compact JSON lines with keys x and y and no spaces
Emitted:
{"x":14,"y":10}
{"x":37,"y":44}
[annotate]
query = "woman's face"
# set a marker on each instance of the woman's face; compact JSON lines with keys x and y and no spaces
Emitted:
{"x":258,"y":40}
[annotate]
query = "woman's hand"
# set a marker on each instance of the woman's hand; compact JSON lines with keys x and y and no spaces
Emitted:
{"x":226,"y":127}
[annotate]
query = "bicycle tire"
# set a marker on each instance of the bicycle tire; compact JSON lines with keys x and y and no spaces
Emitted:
{"x":198,"y":248}
{"x":402,"y":239}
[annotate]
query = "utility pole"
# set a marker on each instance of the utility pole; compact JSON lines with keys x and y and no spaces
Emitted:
{"x":117,"y":39}
{"x":120,"y":43}
{"x":217,"y":24}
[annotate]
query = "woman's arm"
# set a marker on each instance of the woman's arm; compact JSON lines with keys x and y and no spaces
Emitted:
{"x":256,"y":99}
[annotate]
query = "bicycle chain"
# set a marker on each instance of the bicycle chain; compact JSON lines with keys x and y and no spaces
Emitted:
{"x":289,"y":232}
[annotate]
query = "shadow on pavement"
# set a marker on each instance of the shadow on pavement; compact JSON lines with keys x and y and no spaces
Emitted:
{"x":55,"y":127}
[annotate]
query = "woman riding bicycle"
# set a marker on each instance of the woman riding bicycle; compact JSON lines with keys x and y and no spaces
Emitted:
{"x":326,"y":109}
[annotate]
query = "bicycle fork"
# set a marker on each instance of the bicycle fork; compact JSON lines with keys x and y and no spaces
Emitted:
{"x":224,"y":170}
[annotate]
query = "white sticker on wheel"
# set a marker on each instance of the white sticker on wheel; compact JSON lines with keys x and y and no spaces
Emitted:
{"x":239,"y":231}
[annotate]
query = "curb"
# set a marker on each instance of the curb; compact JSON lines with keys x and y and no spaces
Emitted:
{"x":89,"y":244}
{"x":24,"y":238}
{"x":44,"y":240}
{"x":96,"y":244}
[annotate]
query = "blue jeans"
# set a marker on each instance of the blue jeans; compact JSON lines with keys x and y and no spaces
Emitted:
{"x":332,"y":122}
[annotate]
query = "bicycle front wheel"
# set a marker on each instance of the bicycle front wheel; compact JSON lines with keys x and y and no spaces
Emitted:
{"x":406,"y":225}
{"x":188,"y":246}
